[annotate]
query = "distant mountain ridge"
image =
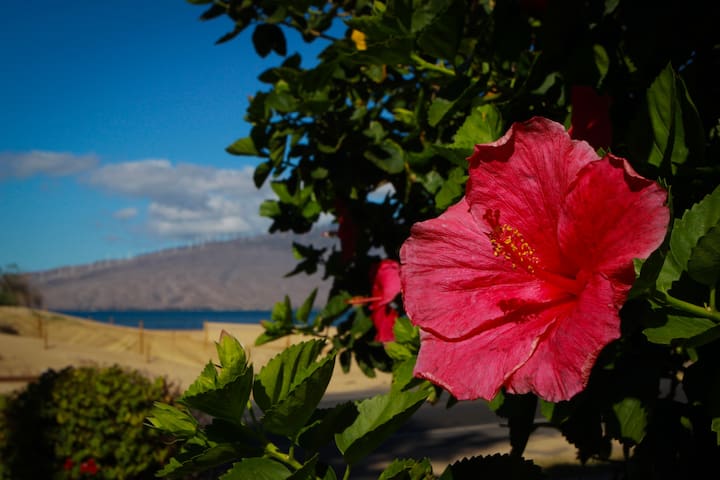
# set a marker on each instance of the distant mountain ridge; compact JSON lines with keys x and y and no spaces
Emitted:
{"x":240,"y":274}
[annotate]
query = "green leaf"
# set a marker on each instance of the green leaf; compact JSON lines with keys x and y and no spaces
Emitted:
{"x":632,"y":418}
{"x":694,"y":224}
{"x":333,"y":309}
{"x":437,"y":110}
{"x":674,"y":122}
{"x":324,"y":424}
{"x":243,"y":146}
{"x":493,"y":466}
{"x":172,"y":420}
{"x":441,"y":22}
{"x":290,"y":386}
{"x":232,"y":357}
{"x":268,"y":37}
{"x":390,"y":156}
{"x":223,"y":395}
{"x":378,"y":418}
{"x":704,"y":262}
{"x":407,"y":469}
{"x":270,"y":208}
{"x":256,"y":468}
{"x":261,"y":173}
{"x":303,"y":312}
{"x":196,"y":459}
{"x":484,"y":125}
{"x":677,"y":327}
{"x":715,"y":426}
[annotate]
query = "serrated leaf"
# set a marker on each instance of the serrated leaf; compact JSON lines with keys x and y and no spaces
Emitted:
{"x":407,"y":469}
{"x":172,"y":420}
{"x":632,"y":418}
{"x":257,"y":468}
{"x":193,"y":460}
{"x":677,"y":327}
{"x":232,"y":357}
{"x":484,"y":125}
{"x":493,"y":466}
{"x":224,"y":395}
{"x":704,"y":262}
{"x":324,"y":424}
{"x":289,"y":415}
{"x":290,"y":386}
{"x":694,"y":224}
{"x":378,"y":418}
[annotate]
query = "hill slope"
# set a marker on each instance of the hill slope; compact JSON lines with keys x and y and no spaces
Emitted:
{"x":242,"y":274}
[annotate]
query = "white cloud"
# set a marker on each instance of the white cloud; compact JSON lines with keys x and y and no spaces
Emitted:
{"x":378,"y":195}
{"x":189,"y":201}
{"x":126,"y":213}
{"x":39,"y":162}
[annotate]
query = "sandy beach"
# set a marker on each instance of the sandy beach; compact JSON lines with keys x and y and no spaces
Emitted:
{"x":49,"y":340}
{"x":42,"y":340}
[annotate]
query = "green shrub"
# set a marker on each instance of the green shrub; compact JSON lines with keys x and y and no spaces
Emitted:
{"x":83,"y":423}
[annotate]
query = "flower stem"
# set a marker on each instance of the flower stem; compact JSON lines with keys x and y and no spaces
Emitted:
{"x":272,"y":451}
{"x":711,"y":301}
{"x":696,"y":310}
{"x":423,"y":64}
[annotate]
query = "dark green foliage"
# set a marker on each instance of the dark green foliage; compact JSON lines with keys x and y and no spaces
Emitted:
{"x":70,"y":416}
{"x":16,"y":289}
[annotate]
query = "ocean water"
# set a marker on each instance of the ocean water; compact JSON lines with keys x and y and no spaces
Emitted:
{"x":171,"y":319}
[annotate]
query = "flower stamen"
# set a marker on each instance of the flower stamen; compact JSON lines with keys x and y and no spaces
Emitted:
{"x":508,"y":242}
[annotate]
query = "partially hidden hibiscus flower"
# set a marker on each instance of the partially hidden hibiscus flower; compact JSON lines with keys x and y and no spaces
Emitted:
{"x":519,"y":284}
{"x":385,"y":278}
{"x":590,"y":117}
{"x":386,"y":286}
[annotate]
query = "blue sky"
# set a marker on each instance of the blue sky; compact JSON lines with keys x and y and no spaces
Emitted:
{"x":114,"y":117}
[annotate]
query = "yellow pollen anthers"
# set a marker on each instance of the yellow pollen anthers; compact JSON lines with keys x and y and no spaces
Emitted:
{"x":509,"y":243}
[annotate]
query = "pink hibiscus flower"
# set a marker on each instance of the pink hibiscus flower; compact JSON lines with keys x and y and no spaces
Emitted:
{"x":385,"y":278}
{"x":519,"y":285}
{"x":386,"y":286}
{"x":590,"y":117}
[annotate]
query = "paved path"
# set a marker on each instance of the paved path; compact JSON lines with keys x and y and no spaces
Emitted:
{"x":465,"y":430}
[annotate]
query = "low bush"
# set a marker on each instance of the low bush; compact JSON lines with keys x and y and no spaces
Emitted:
{"x":83,"y":422}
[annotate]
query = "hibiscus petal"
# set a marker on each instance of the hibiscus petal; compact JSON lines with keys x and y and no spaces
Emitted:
{"x":478,"y":366}
{"x":611,"y":216}
{"x":386,"y":281}
{"x":524,"y":176}
{"x":384,"y":321}
{"x":550,"y":353}
{"x":563,"y":359}
{"x":454,"y":285}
